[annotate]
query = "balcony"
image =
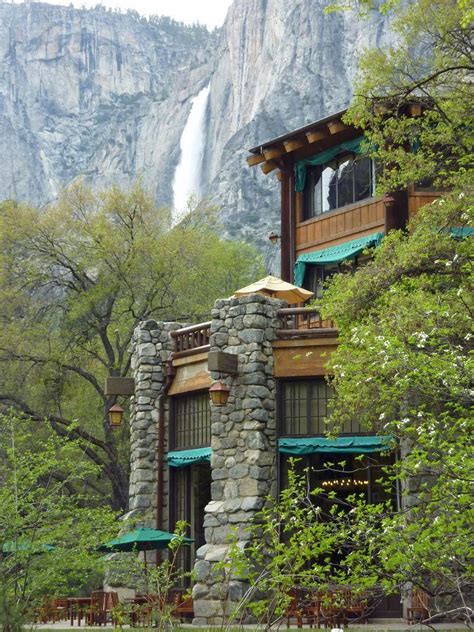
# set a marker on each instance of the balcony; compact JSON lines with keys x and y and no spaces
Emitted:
{"x":191,"y":340}
{"x":304,"y":322}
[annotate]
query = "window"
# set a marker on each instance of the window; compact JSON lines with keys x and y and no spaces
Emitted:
{"x":304,"y":406}
{"x":190,"y":492}
{"x":341,"y":182}
{"x":316,"y":276}
{"x":344,"y":474}
{"x":190,"y":421}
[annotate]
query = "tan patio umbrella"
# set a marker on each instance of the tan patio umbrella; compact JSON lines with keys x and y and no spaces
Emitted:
{"x":275,"y":287}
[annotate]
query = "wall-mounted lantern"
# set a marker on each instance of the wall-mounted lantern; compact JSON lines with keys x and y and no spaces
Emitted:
{"x":115,"y":416}
{"x":274,"y":237}
{"x":219,"y":393}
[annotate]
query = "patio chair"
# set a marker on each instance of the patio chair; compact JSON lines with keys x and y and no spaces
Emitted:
{"x":102,"y":604}
{"x":418,"y":610}
{"x":183,"y":606}
{"x":354,"y":604}
{"x":59,"y":610}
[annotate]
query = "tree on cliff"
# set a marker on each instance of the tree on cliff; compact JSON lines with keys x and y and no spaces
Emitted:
{"x":75,"y":280}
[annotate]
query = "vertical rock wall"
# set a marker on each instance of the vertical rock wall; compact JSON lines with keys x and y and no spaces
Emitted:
{"x":243,"y":445}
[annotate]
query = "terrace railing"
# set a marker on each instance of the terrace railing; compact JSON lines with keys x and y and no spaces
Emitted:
{"x":303,"y":321}
{"x":191,"y":340}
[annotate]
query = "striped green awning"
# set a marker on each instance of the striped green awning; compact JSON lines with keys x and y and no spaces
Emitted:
{"x":335,"y":254}
{"x":183,"y":458}
{"x":300,"y":446}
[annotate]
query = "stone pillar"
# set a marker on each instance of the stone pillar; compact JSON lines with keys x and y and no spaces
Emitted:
{"x":152,"y":346}
{"x":243,"y":445}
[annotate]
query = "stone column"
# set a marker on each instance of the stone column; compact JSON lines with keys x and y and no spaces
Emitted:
{"x":243,"y":445}
{"x":152,"y":346}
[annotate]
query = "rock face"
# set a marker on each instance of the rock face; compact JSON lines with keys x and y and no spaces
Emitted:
{"x":106,"y":96}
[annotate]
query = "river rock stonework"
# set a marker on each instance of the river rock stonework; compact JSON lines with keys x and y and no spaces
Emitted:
{"x":152,"y":346}
{"x":243,"y":445}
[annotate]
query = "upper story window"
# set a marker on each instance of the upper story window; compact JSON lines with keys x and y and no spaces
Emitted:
{"x":190,"y":421}
{"x":341,"y":182}
{"x":304,"y":406}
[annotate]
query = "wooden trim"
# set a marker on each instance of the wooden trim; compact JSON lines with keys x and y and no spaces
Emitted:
{"x":292,"y":145}
{"x":336,"y":126}
{"x":255,"y":160}
{"x":339,"y":238}
{"x":190,"y":352}
{"x":268,"y":166}
{"x":319,"y":134}
{"x":273,"y":152}
{"x":307,"y":333}
{"x":340,"y":210}
{"x":285,"y":230}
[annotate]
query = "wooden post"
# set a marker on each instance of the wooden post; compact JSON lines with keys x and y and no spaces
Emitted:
{"x":285,"y":229}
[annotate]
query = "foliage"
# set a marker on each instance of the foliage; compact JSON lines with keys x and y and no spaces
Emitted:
{"x":75,"y":280}
{"x":155,"y":579}
{"x":310,"y":539}
{"x":48,"y":536}
{"x":430,"y":63}
{"x":404,"y":367}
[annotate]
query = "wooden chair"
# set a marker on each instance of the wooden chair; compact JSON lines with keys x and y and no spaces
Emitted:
{"x":97,"y":613}
{"x":331,"y":608}
{"x":418,"y":610}
{"x":355,"y":604}
{"x":294,"y":609}
{"x":59,"y":609}
{"x":183,"y":606}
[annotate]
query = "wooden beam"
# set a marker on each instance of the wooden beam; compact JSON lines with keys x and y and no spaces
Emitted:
{"x":319,"y":134}
{"x":268,"y":166}
{"x":119,"y":386}
{"x":292,"y":145}
{"x":255,"y":160}
{"x":273,"y":152}
{"x":223,"y":362}
{"x":336,"y":126}
{"x":279,"y":176}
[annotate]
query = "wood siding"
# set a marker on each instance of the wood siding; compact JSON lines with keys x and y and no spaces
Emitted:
{"x":302,"y":357}
{"x":334,"y":227}
{"x":417,"y":199}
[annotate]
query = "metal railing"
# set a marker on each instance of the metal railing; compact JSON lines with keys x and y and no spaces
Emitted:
{"x":191,"y":340}
{"x":299,"y":321}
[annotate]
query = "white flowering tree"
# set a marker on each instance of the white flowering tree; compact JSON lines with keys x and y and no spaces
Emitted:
{"x":404,"y":367}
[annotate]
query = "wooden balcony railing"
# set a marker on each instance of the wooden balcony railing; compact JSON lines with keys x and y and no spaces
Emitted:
{"x":303,"y":321}
{"x":191,"y":340}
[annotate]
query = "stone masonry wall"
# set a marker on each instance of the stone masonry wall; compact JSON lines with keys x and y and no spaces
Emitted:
{"x":152,"y":346}
{"x":243,"y":445}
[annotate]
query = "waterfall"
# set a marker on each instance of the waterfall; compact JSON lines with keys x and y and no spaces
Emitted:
{"x":187,"y":177}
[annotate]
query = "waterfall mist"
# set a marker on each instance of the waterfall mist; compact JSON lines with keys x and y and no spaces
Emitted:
{"x":187,"y":177}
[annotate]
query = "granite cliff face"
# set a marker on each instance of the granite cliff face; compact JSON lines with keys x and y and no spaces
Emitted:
{"x":106,"y":96}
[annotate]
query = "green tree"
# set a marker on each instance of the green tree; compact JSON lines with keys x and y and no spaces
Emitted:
{"x":48,"y":537}
{"x":404,"y":367}
{"x":430,"y":62}
{"x":75,"y":280}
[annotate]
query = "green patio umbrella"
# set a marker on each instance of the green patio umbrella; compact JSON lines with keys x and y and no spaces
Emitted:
{"x":142,"y":539}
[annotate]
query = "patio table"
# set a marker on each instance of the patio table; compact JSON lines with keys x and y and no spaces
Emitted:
{"x":78,"y":605}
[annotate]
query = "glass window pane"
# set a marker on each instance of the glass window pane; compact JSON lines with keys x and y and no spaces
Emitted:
{"x":363,"y":178}
{"x":345,"y":183}
{"x":328,"y":188}
{"x":305,"y":407}
{"x":191,"y":421}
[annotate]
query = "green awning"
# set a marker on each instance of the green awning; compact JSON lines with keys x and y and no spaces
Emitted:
{"x":461,"y":232}
{"x":183,"y":458}
{"x":354,"y":146}
{"x":300,"y":446}
{"x":335,"y":254}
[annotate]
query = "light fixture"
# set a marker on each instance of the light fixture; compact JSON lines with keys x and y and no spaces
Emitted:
{"x":274,"y":237}
{"x":219,"y":393}
{"x":115,"y":415}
